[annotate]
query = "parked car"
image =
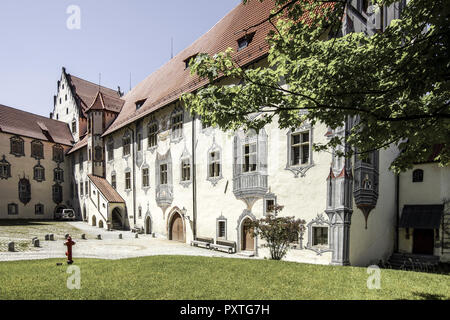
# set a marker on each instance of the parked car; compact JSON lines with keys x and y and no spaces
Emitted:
{"x":68,"y":214}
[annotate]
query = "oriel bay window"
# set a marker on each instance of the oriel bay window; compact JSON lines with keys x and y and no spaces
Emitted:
{"x":250,"y":157}
{"x":300,"y":148}
{"x":163,"y":174}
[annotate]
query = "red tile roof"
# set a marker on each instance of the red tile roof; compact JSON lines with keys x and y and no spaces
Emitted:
{"x":106,"y":189}
{"x":105,"y":102}
{"x":87,"y":91}
{"x":167,"y":84}
{"x":79,"y":145}
{"x":15,"y":121}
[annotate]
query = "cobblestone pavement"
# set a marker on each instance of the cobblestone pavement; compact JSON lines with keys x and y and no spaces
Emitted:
{"x":111,"y":247}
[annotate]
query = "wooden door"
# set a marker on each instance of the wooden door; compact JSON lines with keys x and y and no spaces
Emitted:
{"x":423,"y":241}
{"x":177,"y":229}
{"x":248,"y":243}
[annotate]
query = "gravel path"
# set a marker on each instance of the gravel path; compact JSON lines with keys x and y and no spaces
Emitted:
{"x":111,"y":247}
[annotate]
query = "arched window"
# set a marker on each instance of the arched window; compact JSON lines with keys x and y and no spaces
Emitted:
{"x":58,"y":175}
{"x":17,"y":147}
{"x":418,"y":175}
{"x":37,"y":149}
{"x":24,"y":190}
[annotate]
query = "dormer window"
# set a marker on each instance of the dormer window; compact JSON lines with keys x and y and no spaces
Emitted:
{"x":245,"y":41}
{"x":140,"y":103}
{"x":188,"y":61}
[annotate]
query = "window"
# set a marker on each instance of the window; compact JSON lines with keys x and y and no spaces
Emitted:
{"x":126,"y":145}
{"x":139,"y":142}
{"x":58,"y":175}
{"x":67,"y":110}
{"x":90,"y":154}
{"x":39,"y":209}
{"x":24,"y":191}
{"x":177,"y":124}
{"x":214,"y":164}
{"x":113,"y":181}
{"x":66,"y":100}
{"x":110,"y":150}
{"x":418,"y":175}
{"x":300,"y":148}
{"x":127,"y":181}
{"x":185,"y":170}
{"x":57,"y":193}
{"x":320,"y":236}
{"x":74,"y":126}
{"x":145,"y":178}
{"x":188,"y":61}
{"x":222,"y":229}
{"x":81,"y":160}
{"x":5,"y":169}
{"x":245,"y":41}
{"x":140,"y":213}
{"x":37,"y":150}
{"x":13,"y":209}
{"x":17,"y":147}
{"x":58,"y":154}
{"x":270,"y":205}
{"x":250,"y":156}
{"x":39,"y":173}
{"x":152,"y":134}
{"x":98,"y":153}
{"x":81,"y":189}
{"x":163,"y":174}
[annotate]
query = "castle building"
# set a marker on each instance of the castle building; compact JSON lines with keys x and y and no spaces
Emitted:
{"x":141,"y":161}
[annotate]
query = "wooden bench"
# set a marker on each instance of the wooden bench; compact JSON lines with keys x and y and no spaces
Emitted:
{"x":201,"y":241}
{"x":224,"y":245}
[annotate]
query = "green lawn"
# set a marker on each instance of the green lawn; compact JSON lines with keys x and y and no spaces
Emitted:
{"x":178,"y":277}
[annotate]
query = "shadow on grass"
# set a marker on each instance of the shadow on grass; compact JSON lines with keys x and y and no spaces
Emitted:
{"x":429,"y":296}
{"x":25,"y":223}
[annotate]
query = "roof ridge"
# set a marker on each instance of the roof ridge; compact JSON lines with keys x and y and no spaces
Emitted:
{"x":33,"y":114}
{"x":93,"y":83}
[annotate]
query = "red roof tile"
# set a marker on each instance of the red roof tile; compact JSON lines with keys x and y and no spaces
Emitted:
{"x":167,"y":84}
{"x":79,"y":145}
{"x":105,"y":102}
{"x":15,"y":121}
{"x":106,"y":189}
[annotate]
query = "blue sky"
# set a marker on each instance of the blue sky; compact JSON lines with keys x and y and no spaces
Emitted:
{"x":116,"y":38}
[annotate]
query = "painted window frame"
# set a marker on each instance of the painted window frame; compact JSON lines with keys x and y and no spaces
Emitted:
{"x":17,"y":146}
{"x":5,"y":169}
{"x":36,"y":176}
{"x":37,"y":154}
{"x":58,"y":153}
{"x":300,"y":169}
{"x":152,"y":134}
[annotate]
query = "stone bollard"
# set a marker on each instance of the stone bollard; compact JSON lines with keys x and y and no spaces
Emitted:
{"x":11,"y":247}
{"x":52,"y":237}
{"x":136,"y":236}
{"x":47,"y":237}
{"x":36,"y":243}
{"x":32,"y":240}
{"x":120,"y":236}
{"x":99,"y":237}
{"x":83,"y":237}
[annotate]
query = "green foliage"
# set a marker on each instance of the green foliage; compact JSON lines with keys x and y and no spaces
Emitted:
{"x":395,"y":83}
{"x":278,"y":232}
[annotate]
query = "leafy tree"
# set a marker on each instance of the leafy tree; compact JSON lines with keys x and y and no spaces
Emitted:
{"x":279,"y":232}
{"x":394,"y":83}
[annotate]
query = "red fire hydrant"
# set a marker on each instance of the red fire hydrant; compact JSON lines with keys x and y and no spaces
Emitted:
{"x":69,"y":245}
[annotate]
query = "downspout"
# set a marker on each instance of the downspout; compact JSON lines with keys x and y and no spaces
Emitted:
{"x":134,"y":176}
{"x":194,"y":179}
{"x":397,"y":203}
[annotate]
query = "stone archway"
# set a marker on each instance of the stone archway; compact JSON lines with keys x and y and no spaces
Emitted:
{"x":117,"y":221}
{"x":94,"y":221}
{"x":248,"y":241}
{"x":100,"y":224}
{"x":244,"y":240}
{"x":176,"y":227}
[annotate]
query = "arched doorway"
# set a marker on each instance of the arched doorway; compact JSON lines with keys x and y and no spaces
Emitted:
{"x":148,"y":225}
{"x":94,"y":221}
{"x":176,"y":229}
{"x":248,"y":241}
{"x":100,"y":224}
{"x":117,"y":219}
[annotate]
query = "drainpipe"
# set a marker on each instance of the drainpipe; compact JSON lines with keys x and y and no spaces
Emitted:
{"x":397,"y":203}
{"x":134,"y":173}
{"x":194,"y":179}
